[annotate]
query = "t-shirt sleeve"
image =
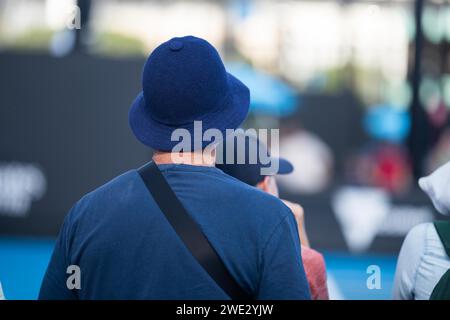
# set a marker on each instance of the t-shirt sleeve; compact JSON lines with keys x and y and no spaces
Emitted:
{"x":54,"y":285}
{"x":315,"y":270}
{"x":282,"y":272}
{"x":408,"y":263}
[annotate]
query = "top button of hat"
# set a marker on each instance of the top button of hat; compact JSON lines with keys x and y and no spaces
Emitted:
{"x":175,"y":45}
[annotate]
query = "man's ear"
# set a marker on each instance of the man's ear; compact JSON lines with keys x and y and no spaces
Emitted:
{"x":264,"y":184}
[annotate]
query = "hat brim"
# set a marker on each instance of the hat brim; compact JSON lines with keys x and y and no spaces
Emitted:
{"x":157,"y":135}
{"x":285,"y":167}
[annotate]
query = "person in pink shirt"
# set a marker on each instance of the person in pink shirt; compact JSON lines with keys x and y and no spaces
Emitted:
{"x":250,"y":173}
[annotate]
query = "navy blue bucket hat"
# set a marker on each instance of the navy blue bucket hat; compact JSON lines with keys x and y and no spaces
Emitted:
{"x":184,"y":80}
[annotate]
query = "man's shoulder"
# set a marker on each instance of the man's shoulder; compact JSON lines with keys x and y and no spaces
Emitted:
{"x":234,"y":196}
{"x":114,"y":192}
{"x":239,"y":193}
{"x":420,"y":232}
{"x":123,"y":184}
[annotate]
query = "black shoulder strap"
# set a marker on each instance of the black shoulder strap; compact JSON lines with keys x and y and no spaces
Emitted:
{"x":189,"y":231}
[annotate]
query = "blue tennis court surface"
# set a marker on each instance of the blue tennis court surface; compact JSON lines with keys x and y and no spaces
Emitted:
{"x":23,"y":262}
{"x":22,"y":266}
{"x":348,"y":275}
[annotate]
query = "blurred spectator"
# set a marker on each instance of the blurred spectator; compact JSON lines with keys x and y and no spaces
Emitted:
{"x":384,"y":165}
{"x":424,"y":259}
{"x":440,"y":152}
{"x":250,"y":173}
{"x":313,"y":160}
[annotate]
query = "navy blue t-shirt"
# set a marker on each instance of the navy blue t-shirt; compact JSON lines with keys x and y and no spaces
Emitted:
{"x":126,"y":249}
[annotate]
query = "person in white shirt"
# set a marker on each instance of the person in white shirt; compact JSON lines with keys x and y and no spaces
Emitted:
{"x":423,"y":259}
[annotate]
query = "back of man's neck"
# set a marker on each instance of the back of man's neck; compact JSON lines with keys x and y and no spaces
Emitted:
{"x":191,"y":158}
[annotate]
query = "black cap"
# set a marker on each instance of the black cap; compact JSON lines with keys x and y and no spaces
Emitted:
{"x":248,"y":169}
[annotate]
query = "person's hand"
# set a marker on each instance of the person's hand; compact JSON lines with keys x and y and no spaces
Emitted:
{"x":299,"y":215}
{"x":297,"y":211}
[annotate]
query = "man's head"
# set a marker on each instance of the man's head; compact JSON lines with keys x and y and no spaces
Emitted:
{"x":243,"y":156}
{"x":184,"y":83}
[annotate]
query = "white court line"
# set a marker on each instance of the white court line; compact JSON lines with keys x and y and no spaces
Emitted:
{"x":2,"y":296}
{"x":333,"y":289}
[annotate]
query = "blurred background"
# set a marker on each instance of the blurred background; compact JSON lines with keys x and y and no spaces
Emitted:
{"x":359,"y":89}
